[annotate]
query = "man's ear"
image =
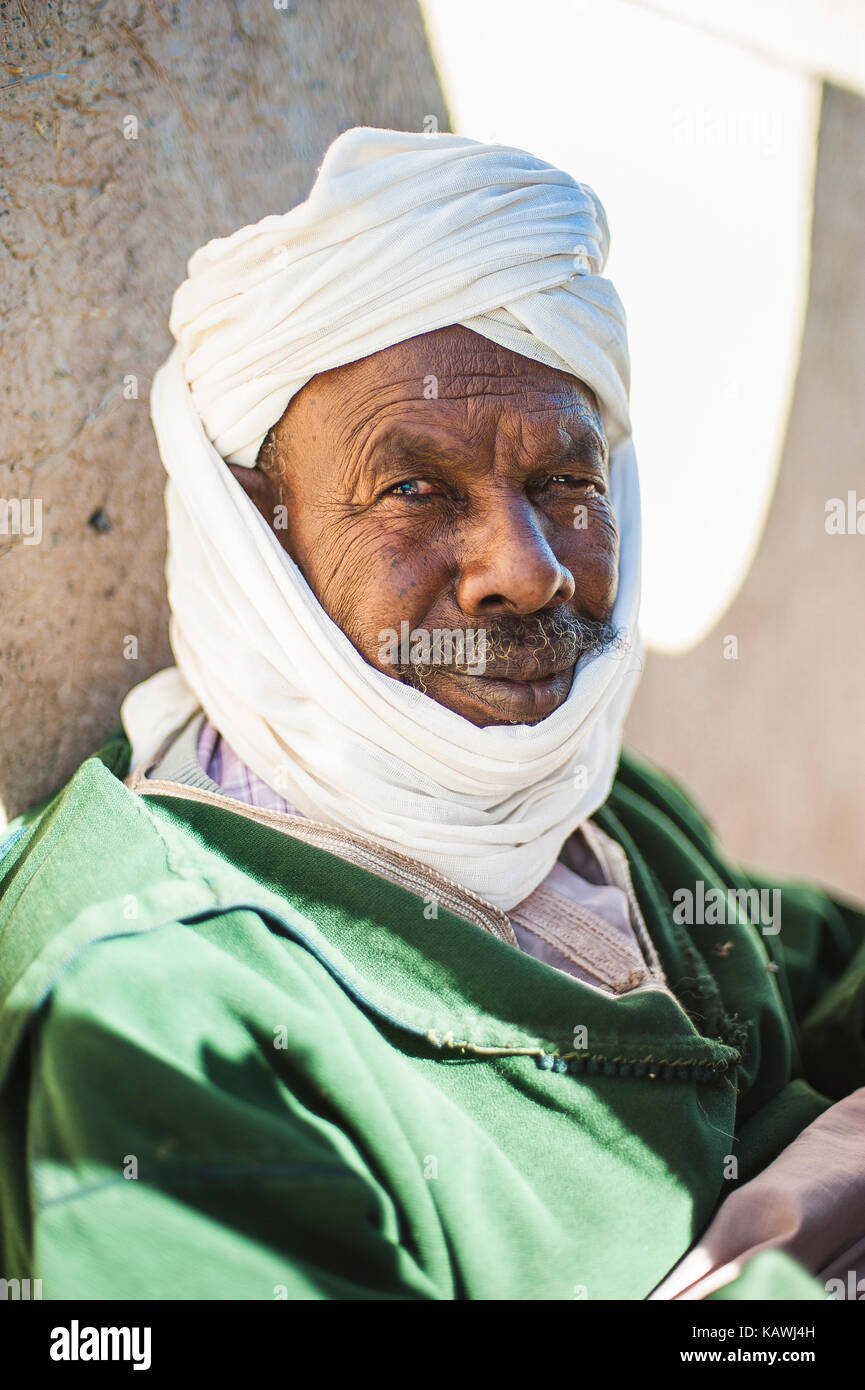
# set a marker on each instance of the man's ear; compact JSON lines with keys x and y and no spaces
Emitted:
{"x":260,"y":488}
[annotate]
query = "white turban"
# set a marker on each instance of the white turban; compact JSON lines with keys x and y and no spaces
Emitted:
{"x":401,"y":234}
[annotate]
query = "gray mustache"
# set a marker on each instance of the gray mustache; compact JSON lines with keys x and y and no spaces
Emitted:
{"x":542,"y":641}
{"x":558,"y":638}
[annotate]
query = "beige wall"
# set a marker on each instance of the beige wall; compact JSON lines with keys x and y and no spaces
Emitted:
{"x":771,"y":744}
{"x":235,"y":104}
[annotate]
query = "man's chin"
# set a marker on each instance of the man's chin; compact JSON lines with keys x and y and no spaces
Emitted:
{"x":485,"y":701}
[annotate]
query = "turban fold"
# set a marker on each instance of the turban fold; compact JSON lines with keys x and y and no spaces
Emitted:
{"x":401,"y":234}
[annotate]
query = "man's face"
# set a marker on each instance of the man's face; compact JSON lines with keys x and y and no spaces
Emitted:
{"x":452,"y":485}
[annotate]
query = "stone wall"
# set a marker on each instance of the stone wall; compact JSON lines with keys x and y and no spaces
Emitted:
{"x":129,"y":134}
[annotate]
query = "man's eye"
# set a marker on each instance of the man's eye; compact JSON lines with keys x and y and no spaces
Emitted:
{"x":568,"y":480}
{"x":411,"y":487}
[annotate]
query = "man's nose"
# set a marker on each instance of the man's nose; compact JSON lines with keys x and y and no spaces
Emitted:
{"x":508,"y":565}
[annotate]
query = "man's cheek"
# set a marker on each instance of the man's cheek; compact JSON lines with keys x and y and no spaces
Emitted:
{"x":346,"y":568}
{"x":397,"y":603}
{"x":594,"y":564}
{"x":406,"y":575}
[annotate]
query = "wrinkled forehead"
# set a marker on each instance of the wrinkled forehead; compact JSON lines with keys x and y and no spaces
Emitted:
{"x":446,"y":374}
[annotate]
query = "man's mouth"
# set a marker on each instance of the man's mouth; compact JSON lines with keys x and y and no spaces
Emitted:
{"x":516,"y":695}
{"x":519,"y":673}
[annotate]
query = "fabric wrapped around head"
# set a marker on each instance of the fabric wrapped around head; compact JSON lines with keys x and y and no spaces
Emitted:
{"x":401,"y":234}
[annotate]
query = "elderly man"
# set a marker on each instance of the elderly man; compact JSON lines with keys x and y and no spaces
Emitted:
{"x":360,"y":963}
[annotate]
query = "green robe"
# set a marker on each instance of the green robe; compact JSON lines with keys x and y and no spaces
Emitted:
{"x":235,"y":1066}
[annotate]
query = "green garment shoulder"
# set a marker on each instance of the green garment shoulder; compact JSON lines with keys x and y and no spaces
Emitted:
{"x":236,"y":1066}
